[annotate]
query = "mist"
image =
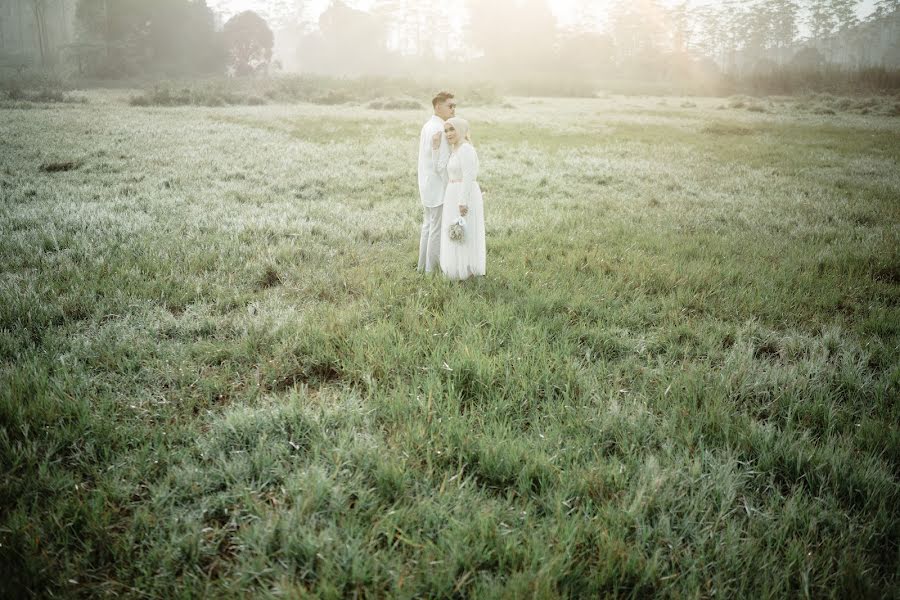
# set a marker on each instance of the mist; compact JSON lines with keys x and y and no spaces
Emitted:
{"x":582,"y":40}
{"x":532,"y":46}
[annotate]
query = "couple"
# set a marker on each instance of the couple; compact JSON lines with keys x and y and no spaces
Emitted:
{"x":453,"y":222}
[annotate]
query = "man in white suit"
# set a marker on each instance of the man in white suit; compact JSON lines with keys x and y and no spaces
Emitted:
{"x":433,"y":181}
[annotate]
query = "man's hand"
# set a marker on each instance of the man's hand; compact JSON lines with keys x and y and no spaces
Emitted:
{"x":463,"y":210}
{"x":436,"y":140}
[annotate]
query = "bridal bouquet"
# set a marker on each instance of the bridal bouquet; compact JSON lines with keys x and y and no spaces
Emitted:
{"x":458,"y":229}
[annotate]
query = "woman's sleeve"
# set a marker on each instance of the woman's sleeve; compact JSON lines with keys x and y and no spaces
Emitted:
{"x":468,"y":160}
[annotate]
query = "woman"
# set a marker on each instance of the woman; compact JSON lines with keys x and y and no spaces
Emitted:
{"x":466,"y":257}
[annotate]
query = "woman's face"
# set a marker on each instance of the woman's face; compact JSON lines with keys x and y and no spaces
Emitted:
{"x":450,"y":132}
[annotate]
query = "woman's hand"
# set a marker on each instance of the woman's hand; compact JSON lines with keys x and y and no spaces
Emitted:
{"x":463,"y":210}
{"x":436,"y":140}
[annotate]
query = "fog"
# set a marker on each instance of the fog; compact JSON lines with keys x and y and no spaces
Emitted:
{"x":573,"y":41}
{"x":579,"y":38}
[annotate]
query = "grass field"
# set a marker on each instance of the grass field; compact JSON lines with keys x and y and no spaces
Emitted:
{"x":220,"y":374}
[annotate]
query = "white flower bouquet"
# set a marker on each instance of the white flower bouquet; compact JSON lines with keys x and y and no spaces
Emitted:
{"x":458,"y":229}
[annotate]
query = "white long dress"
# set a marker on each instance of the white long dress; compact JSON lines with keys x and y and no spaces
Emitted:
{"x":467,"y":257}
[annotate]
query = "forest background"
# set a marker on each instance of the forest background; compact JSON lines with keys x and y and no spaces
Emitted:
{"x":647,"y":46}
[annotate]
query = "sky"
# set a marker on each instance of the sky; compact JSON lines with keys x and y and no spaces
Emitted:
{"x":561,"y":8}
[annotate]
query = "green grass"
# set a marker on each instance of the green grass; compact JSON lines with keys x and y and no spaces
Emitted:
{"x":221,"y":375}
{"x":374,"y":92}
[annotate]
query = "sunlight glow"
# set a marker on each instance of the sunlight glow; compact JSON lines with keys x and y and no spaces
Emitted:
{"x":567,"y":12}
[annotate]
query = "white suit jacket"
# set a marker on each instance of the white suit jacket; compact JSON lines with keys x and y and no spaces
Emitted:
{"x":432,"y":177}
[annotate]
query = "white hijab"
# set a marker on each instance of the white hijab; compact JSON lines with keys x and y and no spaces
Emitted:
{"x":462,"y":129}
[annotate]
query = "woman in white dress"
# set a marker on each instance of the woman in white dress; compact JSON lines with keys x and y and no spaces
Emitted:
{"x":466,"y":257}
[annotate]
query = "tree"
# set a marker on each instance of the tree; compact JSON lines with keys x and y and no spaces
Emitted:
{"x":640,"y":31}
{"x":711,"y":33}
{"x":844,"y":47}
{"x":826,"y":17}
{"x":785,"y":14}
{"x":282,"y":14}
{"x":844,"y":13}
{"x":37,"y":28}
{"x":17,"y":23}
{"x":821,"y":19}
{"x":808,"y":58}
{"x":249,"y":42}
{"x":40,"y":23}
{"x":328,"y":50}
{"x":417,"y":27}
{"x":738,"y":34}
{"x":884,"y":8}
{"x":118,"y":38}
{"x":679,"y":17}
{"x":290,"y":21}
{"x":181,"y":37}
{"x":756,"y":29}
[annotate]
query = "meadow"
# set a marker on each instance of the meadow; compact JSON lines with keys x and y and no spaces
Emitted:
{"x":220,"y":374}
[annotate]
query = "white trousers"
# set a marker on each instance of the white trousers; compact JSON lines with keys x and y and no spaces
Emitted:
{"x":430,"y":242}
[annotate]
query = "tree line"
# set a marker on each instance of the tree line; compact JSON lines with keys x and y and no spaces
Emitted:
{"x":513,"y":38}
{"x":115,"y":39}
{"x":639,"y":39}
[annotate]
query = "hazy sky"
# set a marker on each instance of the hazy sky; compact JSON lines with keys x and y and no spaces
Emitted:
{"x":561,"y":8}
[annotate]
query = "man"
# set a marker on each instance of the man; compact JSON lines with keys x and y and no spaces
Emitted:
{"x":432,"y":181}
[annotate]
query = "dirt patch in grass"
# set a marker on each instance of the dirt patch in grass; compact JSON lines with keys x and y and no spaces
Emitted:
{"x":57,"y":167}
{"x":727,"y":129}
{"x":887,"y":274}
{"x":767,"y":350}
{"x":270,"y":278}
{"x":315,"y":374}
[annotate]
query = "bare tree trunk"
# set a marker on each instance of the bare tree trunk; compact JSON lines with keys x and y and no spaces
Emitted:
{"x":40,"y":26}
{"x":21,"y":28}
{"x":106,"y":33}
{"x":63,"y":25}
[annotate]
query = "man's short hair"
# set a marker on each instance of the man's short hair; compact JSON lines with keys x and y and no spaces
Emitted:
{"x":441,"y":97}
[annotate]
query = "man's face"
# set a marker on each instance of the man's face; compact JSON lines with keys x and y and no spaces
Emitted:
{"x":446,"y":109}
